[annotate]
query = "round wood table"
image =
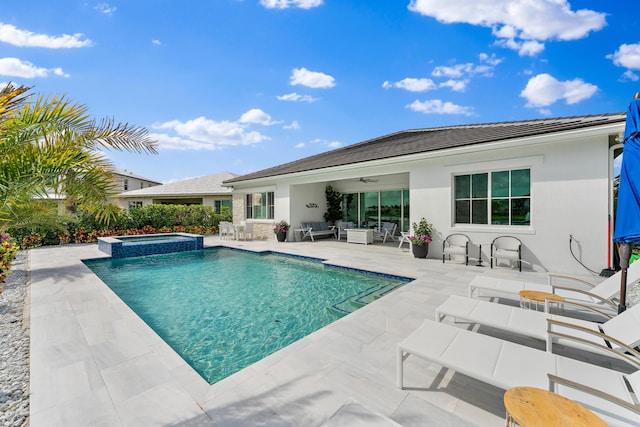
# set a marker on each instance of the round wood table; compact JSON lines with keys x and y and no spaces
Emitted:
{"x":527,"y":296}
{"x":534,"y":407}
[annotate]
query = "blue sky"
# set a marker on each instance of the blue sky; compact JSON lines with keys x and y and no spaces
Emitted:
{"x":243,"y":85}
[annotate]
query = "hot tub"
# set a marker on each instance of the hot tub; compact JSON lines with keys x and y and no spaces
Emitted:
{"x":149,"y":244}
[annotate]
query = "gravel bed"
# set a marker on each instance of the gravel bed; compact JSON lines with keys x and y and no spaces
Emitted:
{"x":14,"y":346}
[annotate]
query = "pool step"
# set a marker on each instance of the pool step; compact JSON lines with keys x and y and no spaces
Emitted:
{"x":354,"y":302}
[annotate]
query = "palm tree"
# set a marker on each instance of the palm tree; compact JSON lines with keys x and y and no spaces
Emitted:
{"x":52,"y":145}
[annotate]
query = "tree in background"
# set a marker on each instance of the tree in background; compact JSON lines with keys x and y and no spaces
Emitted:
{"x":51,"y":146}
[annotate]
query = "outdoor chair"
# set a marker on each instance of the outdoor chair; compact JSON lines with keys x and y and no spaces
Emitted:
{"x":456,"y":244}
{"x":620,"y":333}
{"x":603,"y":296}
{"x":504,"y":364}
{"x":404,"y":238}
{"x":226,"y":229}
{"x":342,"y":228}
{"x":507,"y":248}
{"x":385,"y":232}
{"x":247,"y":231}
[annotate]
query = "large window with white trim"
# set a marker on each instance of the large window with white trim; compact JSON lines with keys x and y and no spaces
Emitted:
{"x":260,"y":205}
{"x":497,"y":197}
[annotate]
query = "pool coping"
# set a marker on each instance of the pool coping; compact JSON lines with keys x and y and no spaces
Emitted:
{"x":93,"y":361}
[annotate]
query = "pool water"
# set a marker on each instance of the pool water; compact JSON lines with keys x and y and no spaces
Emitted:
{"x":223,"y":309}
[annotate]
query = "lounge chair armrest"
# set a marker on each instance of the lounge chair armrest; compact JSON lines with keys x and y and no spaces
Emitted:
{"x":554,"y":379}
{"x":590,"y":308}
{"x":631,"y":355}
{"x":553,"y":276}
{"x":582,"y":291}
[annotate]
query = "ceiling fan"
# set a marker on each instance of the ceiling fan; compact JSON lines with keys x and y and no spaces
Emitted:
{"x":367,"y":180}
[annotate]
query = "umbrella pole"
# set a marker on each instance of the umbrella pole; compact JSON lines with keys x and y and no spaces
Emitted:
{"x":625,"y":253}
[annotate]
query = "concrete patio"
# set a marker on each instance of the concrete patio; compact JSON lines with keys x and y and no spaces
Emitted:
{"x":94,"y":362}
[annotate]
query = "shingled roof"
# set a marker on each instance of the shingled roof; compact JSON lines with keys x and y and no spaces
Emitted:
{"x":201,"y":186}
{"x":433,"y":139}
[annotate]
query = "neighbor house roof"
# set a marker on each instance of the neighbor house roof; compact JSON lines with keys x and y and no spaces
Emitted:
{"x":426,"y":140}
{"x":126,"y":173}
{"x":202,"y":186}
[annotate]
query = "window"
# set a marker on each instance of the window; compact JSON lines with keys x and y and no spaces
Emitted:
{"x":220,"y":203}
{"x":502,"y":197}
{"x":260,"y":205}
{"x":135,"y":205}
{"x":126,"y":184}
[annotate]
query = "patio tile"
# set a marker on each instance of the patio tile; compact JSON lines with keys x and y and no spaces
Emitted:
{"x":95,"y":363}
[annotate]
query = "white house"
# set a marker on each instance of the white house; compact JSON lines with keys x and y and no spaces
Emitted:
{"x":541,"y":181}
{"x":127,"y":181}
{"x":205,"y":190}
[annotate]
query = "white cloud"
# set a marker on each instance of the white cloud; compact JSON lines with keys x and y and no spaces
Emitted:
{"x":299,"y":145}
{"x":460,"y":70}
{"x":105,"y":8}
{"x":294,"y":125}
{"x":627,"y":56}
{"x":629,"y":76}
{"x":15,"y":67}
{"x":156,"y":42}
{"x":330,"y":144}
{"x":455,"y":85}
{"x":295,"y":97}
{"x":205,"y":134}
{"x":491,"y":60}
{"x":412,"y":84}
{"x":257,"y":116}
{"x":544,"y":90}
{"x":22,"y":38}
{"x":436,"y":106}
{"x":518,"y":24}
{"x":312,"y":79}
{"x":284,"y":4}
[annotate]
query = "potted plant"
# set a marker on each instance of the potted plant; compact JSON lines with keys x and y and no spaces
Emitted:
{"x":280,"y":230}
{"x":422,"y":231}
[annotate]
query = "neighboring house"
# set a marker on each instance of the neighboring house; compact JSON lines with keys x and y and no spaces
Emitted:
{"x":538,"y":180}
{"x":206,"y":190}
{"x":123,"y":181}
{"x":127,"y":181}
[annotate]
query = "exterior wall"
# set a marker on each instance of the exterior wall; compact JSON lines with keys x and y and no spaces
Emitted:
{"x":569,"y":196}
{"x":133,"y":183}
{"x":238,"y":207}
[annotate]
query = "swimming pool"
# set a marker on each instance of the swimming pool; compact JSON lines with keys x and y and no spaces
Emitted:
{"x":223,"y":309}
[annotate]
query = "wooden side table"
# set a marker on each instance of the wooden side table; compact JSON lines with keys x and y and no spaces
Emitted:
{"x":534,"y":407}
{"x":528,"y":296}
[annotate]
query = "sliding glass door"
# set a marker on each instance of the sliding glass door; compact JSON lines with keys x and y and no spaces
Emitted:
{"x":370,"y":209}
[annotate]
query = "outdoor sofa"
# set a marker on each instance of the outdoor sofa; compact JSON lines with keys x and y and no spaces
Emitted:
{"x":317,"y":229}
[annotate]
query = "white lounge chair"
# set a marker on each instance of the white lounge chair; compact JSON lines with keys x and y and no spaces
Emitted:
{"x":505,"y":365}
{"x":604,"y":295}
{"x":620,"y":333}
